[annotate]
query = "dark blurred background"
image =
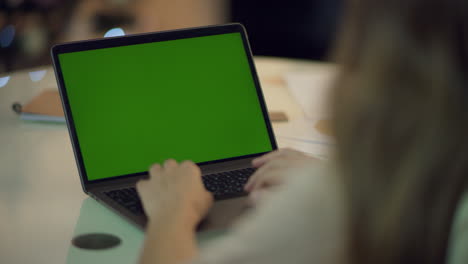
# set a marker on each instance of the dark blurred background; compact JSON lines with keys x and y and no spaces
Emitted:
{"x":294,"y":28}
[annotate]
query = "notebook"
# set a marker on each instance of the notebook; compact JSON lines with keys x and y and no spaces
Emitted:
{"x":45,"y":107}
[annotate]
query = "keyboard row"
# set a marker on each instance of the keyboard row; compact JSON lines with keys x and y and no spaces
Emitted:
{"x":222,"y":185}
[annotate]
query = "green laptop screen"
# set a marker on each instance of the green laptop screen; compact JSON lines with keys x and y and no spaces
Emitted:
{"x":187,"y":99}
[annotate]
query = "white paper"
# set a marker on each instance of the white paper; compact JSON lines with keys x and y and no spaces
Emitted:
{"x":320,"y":151}
{"x":302,"y":129}
{"x":311,"y":89}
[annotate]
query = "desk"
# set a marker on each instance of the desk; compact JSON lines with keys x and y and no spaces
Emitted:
{"x":40,"y":192}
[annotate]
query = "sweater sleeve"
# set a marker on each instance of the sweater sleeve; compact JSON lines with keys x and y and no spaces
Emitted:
{"x":301,"y":223}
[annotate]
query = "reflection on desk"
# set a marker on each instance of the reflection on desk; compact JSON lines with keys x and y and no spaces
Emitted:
{"x":96,"y":218}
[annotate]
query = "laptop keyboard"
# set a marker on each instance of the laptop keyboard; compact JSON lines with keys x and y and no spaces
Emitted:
{"x":128,"y":198}
{"x":222,"y":185}
{"x":227,"y":184}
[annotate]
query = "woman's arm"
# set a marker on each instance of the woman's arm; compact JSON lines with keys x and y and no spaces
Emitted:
{"x":168,"y":241}
{"x":170,"y":233}
{"x":301,"y":224}
{"x":175,"y":200}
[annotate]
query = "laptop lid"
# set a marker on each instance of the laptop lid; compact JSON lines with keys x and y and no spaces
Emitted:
{"x":189,"y":94}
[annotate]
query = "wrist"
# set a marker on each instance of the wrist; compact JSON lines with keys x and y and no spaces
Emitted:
{"x":176,"y":218}
{"x":169,"y":239}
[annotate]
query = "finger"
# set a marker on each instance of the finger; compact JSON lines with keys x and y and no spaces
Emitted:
{"x":250,"y":182}
{"x":154,"y":169}
{"x":187,"y":163}
{"x":267,"y":175}
{"x":190,"y":165}
{"x":260,"y":183}
{"x":260,"y":171}
{"x":170,"y":163}
{"x":260,"y":161}
{"x":255,"y":179}
{"x":140,"y":185}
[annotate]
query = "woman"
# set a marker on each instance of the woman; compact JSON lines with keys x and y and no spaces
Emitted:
{"x":401,"y":165}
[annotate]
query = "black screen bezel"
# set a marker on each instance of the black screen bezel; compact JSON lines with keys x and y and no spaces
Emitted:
{"x":141,"y":39}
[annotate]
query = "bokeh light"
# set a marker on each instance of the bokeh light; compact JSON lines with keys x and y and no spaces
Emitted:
{"x":6,"y":36}
{"x":4,"y":80}
{"x":37,"y":75}
{"x":114,"y":32}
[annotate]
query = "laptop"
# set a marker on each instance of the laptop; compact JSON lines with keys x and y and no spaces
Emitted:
{"x":132,"y":101}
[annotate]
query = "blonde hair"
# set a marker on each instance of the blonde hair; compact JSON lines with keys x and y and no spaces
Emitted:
{"x":401,"y":123}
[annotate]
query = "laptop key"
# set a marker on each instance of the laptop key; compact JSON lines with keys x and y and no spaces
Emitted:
{"x":225,"y":184}
{"x":128,"y":198}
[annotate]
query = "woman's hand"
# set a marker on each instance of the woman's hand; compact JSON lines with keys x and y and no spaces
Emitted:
{"x":175,"y":191}
{"x":274,"y":168}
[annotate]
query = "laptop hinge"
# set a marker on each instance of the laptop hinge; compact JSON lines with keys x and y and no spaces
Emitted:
{"x":226,"y":166}
{"x":113,"y":184}
{"x":206,"y":169}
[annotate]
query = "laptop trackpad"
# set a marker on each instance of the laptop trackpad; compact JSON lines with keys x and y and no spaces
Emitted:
{"x":224,"y":213}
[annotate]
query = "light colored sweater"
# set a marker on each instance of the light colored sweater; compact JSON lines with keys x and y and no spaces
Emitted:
{"x":304,"y":222}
